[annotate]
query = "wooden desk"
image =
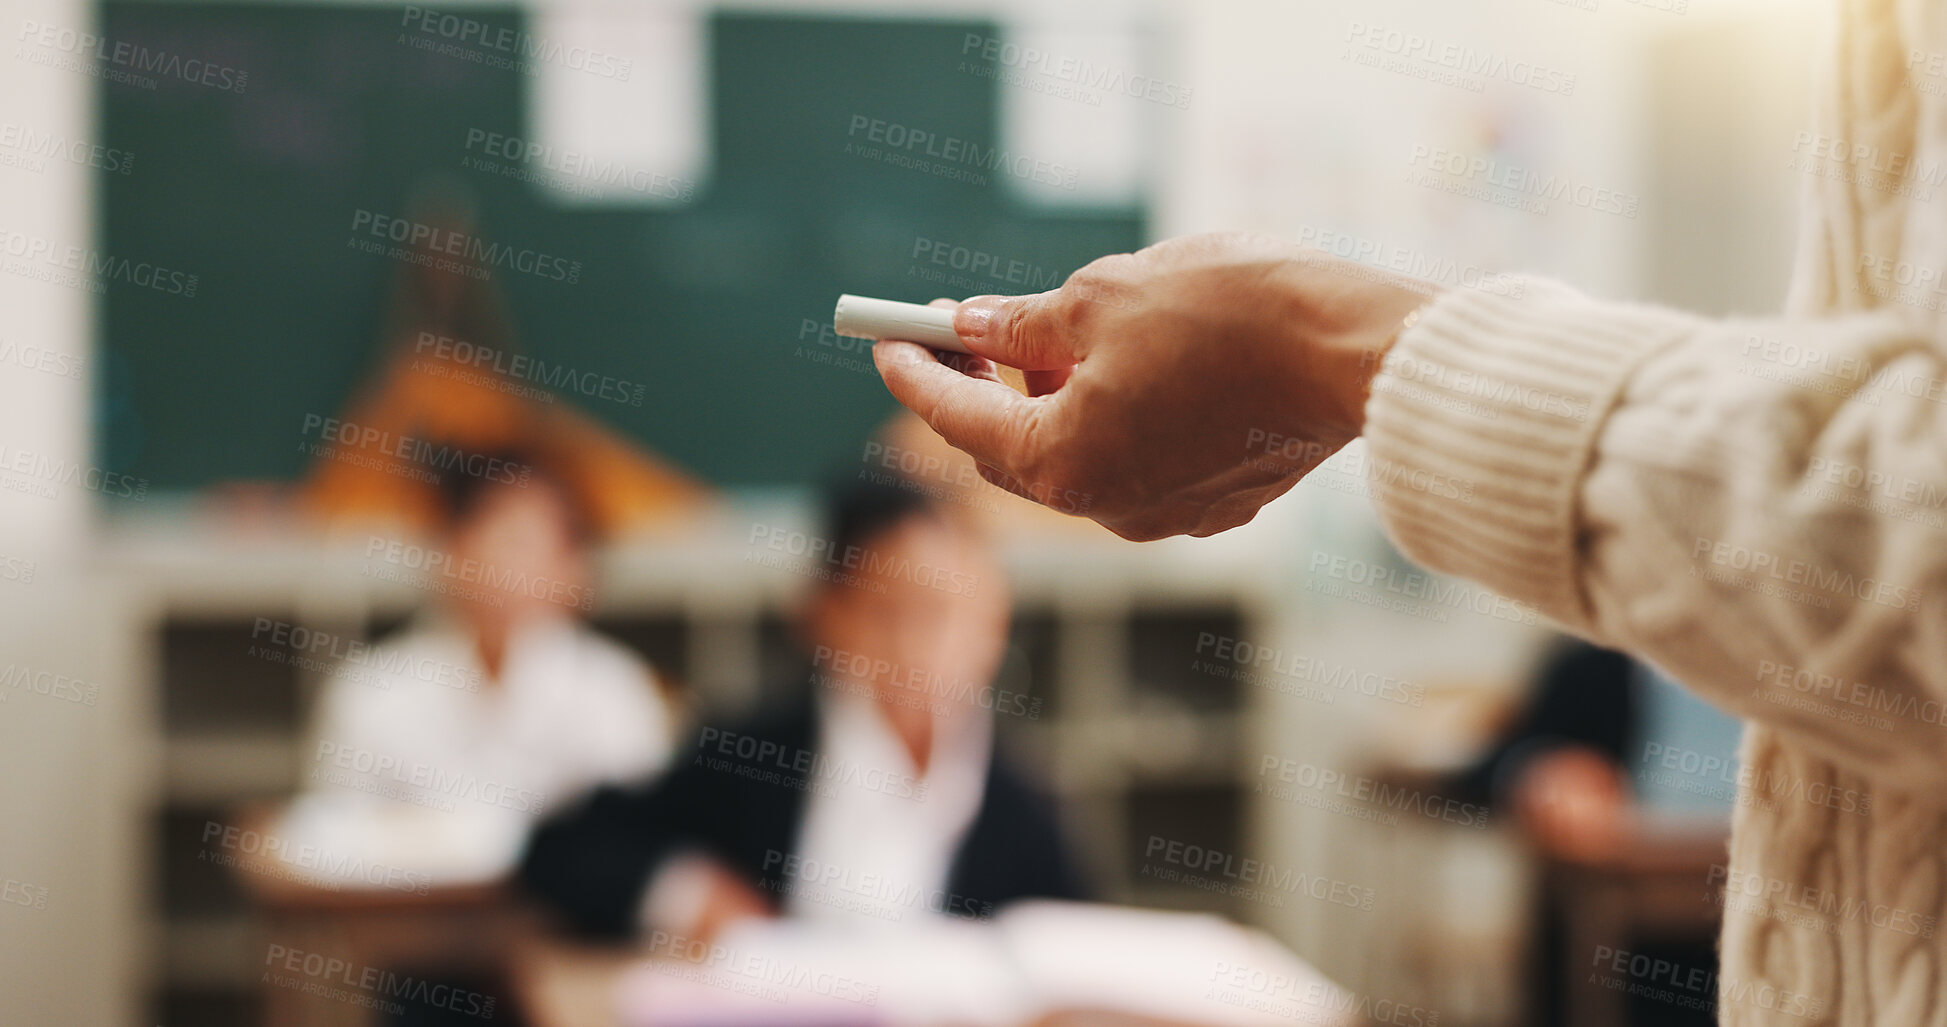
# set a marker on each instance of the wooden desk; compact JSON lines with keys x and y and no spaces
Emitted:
{"x":1656,"y":887}
{"x":460,"y":931}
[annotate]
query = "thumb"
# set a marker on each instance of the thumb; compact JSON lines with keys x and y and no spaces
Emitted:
{"x":1033,"y":332}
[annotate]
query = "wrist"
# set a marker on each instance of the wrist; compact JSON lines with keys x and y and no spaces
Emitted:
{"x":1350,"y":317}
{"x":1372,"y":359}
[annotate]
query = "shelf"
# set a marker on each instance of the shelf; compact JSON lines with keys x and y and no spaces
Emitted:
{"x":224,"y":767}
{"x":211,"y":953}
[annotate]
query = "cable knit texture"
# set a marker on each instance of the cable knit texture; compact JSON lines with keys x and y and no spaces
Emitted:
{"x":1760,"y":508}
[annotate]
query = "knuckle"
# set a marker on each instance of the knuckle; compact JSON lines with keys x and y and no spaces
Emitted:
{"x":1110,"y":266}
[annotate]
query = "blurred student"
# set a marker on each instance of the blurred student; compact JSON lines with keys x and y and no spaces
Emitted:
{"x":878,"y":800}
{"x":1583,"y":767}
{"x":437,"y":751}
{"x":1579,"y":766}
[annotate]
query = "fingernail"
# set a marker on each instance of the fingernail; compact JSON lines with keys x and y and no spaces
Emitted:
{"x":976,"y":316}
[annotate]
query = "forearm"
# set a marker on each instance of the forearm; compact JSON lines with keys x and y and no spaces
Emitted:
{"x":1658,"y":482}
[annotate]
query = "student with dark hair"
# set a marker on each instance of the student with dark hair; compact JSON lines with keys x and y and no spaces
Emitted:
{"x":436,"y":750}
{"x":877,"y":799}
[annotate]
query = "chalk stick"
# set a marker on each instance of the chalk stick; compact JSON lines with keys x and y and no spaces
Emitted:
{"x":862,"y":317}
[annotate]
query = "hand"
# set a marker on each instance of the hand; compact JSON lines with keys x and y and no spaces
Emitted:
{"x":726,"y":899}
{"x":1173,"y":390}
{"x":1573,"y":804}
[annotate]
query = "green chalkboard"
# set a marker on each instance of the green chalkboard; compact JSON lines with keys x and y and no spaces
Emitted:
{"x":255,"y":191}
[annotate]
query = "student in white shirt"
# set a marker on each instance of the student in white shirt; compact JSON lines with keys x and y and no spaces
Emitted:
{"x":436,"y":753}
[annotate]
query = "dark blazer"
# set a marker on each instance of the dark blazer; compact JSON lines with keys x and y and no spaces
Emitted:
{"x":1583,"y":697}
{"x":738,"y":793}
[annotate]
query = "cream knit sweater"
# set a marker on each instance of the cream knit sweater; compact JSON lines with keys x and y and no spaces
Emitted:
{"x":1759,"y":508}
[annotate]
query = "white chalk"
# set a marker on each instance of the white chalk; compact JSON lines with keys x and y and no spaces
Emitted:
{"x":862,"y":317}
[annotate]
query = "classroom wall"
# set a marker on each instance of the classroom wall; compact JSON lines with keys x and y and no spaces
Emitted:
{"x":65,"y":828}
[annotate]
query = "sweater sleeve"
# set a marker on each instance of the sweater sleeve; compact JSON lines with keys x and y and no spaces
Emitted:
{"x":1757,"y":507}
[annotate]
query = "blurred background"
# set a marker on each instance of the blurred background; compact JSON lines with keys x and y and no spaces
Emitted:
{"x":272,"y":270}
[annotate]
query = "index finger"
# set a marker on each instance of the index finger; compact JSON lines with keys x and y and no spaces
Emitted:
{"x":979,"y":416}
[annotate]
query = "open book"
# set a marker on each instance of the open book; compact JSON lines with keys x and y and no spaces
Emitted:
{"x":1034,"y":963}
